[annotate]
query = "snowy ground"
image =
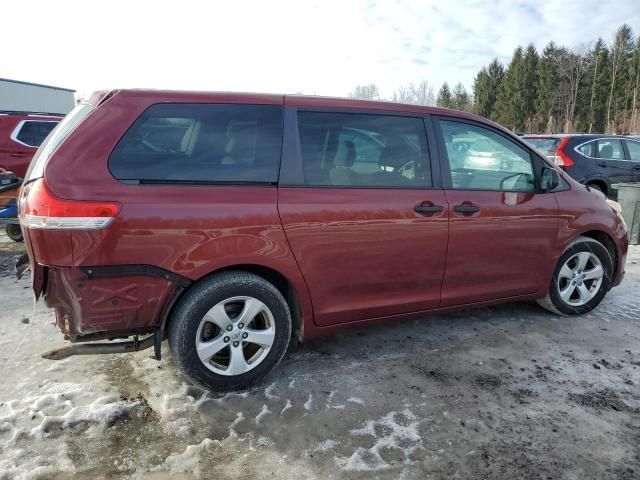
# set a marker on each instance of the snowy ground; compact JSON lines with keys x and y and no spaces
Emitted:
{"x":505,"y":392}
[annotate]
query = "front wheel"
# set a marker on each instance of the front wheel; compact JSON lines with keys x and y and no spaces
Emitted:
{"x":581,"y":280}
{"x":229,"y":331}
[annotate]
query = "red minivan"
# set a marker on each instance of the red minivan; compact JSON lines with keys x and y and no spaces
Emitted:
{"x":20,"y":136}
{"x":232,"y":224}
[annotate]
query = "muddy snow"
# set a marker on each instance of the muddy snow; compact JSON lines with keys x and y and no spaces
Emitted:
{"x":503,"y":392}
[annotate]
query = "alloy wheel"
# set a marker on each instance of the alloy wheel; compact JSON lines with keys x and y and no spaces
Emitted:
{"x":235,"y":335}
{"x":580,"y":278}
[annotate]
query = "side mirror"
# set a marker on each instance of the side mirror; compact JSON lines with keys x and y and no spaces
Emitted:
{"x":549,"y":179}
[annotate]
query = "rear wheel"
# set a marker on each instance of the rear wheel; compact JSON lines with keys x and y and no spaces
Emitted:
{"x":230,"y":331}
{"x":14,"y":232}
{"x":581,"y":280}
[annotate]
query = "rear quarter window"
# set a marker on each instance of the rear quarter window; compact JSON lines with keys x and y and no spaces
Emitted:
{"x":587,"y":149}
{"x":201,"y":143}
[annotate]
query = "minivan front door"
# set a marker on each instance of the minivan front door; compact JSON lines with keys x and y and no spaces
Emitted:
{"x":501,"y":231}
{"x":364,"y":222}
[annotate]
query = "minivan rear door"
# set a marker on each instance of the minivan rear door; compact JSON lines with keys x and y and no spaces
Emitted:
{"x":363,"y":212}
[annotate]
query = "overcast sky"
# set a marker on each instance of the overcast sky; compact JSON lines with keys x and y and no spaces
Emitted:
{"x":321,"y":47}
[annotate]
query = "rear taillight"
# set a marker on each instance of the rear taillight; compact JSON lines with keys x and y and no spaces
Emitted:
{"x":561,"y":157}
{"x":40,"y":209}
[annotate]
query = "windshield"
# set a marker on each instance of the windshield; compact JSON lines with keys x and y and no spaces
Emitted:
{"x":548,"y":146}
{"x":55,"y":138}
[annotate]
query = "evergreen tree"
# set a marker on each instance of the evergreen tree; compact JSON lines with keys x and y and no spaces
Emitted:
{"x":485,"y":88}
{"x":528,"y":87}
{"x":547,"y":96}
{"x":496,"y":75}
{"x":461,"y":99}
{"x":597,"y":90}
{"x":444,"y":97}
{"x":481,"y":93}
{"x":509,"y":103}
{"x":598,"y":79}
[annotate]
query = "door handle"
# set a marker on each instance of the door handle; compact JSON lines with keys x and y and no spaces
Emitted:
{"x":428,"y":208}
{"x":17,"y":155}
{"x":603,"y":164}
{"x":636,"y":167}
{"x":466,"y":208}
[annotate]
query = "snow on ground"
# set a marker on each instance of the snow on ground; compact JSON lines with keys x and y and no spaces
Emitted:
{"x":502,"y":392}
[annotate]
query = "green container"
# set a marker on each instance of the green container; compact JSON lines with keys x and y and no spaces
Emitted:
{"x":629,"y":199}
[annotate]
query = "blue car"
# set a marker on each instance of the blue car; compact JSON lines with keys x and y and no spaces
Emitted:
{"x":9,"y":188}
{"x":598,"y":161}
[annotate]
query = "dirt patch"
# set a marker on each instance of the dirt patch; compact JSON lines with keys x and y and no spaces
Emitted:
{"x":605,"y":399}
{"x":524,"y":395}
{"x":436,"y":374}
{"x":144,"y":411}
{"x":522,"y":461}
{"x":485,"y":380}
{"x":610,"y":365}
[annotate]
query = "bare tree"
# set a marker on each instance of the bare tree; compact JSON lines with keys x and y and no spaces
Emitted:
{"x":369,"y":91}
{"x":572,"y":69}
{"x":420,"y":94}
{"x":596,"y":57}
{"x":403,"y":94}
{"x":423,"y":94}
{"x":635,"y":73}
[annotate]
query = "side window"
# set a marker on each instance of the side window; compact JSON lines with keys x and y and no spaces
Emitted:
{"x":611,"y":149}
{"x":33,"y":132}
{"x":587,"y":149}
{"x":201,"y":143}
{"x":634,"y":150}
{"x":481,"y":159}
{"x":363,"y":150}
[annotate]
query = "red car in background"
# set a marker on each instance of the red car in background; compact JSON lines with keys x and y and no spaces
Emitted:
{"x":20,"y":136}
{"x":233,"y":223}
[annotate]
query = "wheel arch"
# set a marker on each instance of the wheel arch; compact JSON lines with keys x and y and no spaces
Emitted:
{"x":280,"y":281}
{"x":607,"y":241}
{"x":602,"y":182}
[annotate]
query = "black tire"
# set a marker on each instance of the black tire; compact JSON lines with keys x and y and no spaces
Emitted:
{"x":553,"y":301}
{"x":14,"y":232}
{"x":198,"y":300}
{"x":597,"y":186}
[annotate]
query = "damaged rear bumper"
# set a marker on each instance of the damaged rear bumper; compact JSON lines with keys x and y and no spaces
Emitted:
{"x":108,"y":302}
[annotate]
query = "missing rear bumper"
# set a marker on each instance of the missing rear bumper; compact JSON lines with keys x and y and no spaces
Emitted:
{"x":100,"y":348}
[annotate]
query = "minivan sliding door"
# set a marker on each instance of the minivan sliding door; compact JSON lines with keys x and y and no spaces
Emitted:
{"x":361,"y":213}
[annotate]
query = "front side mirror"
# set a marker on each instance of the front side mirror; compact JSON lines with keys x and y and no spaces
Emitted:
{"x":549,"y":180}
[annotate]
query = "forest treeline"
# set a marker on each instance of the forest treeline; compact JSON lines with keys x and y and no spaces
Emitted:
{"x":594,"y":89}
